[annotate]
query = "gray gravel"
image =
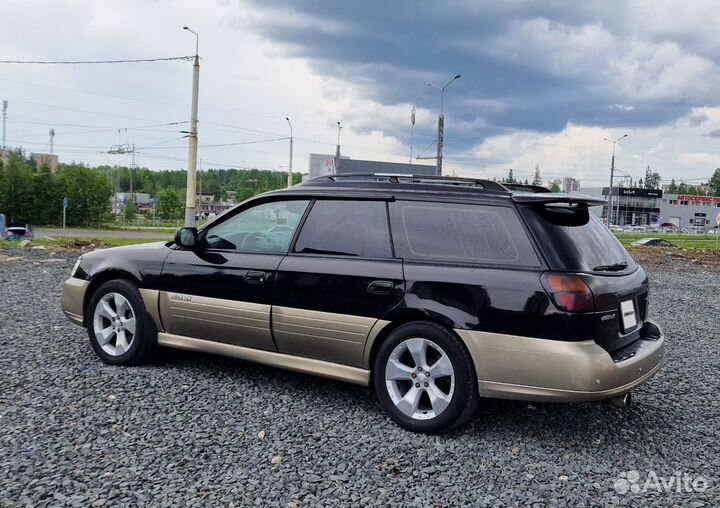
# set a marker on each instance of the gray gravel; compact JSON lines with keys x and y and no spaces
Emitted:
{"x":184,"y":431}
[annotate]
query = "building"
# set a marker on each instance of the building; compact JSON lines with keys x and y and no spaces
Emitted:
{"x":142,"y":200}
{"x":569,"y":184}
{"x":49,"y":159}
{"x":323,"y":164}
{"x":652,"y":207}
{"x":207,"y":204}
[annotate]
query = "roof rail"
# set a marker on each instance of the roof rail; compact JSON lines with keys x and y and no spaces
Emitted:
{"x":406,"y":178}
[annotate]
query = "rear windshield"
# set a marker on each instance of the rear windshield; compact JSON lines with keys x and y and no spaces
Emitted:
{"x":574,"y":239}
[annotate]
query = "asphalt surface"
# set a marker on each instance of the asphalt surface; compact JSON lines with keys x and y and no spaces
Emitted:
{"x":184,"y":431}
{"x":100,"y":233}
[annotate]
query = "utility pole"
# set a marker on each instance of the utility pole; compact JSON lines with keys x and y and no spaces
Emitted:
{"x":612,"y":175}
{"x":193,"y":138}
{"x":52,"y":138}
{"x":4,"y":106}
{"x":441,"y":123}
{"x":337,"y":151}
{"x":290,"y":177}
{"x":132,"y":170}
{"x":412,"y":129}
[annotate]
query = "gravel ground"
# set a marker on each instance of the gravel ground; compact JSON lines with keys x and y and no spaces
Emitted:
{"x":184,"y":431}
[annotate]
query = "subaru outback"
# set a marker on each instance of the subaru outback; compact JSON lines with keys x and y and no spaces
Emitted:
{"x":434,"y":291}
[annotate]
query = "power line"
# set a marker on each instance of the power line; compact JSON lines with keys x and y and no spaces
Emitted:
{"x":73,"y":62}
{"x":218,"y":144}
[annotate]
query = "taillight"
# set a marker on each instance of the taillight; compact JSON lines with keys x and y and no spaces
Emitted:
{"x":569,"y":292}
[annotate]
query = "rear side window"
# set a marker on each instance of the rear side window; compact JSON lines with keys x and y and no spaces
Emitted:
{"x":461,"y":233}
{"x":347,"y":228}
{"x":573,"y":239}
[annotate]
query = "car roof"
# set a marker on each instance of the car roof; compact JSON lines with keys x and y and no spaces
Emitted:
{"x":383,"y":185}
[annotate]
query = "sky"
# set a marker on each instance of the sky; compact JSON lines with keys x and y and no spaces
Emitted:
{"x":543,"y":83}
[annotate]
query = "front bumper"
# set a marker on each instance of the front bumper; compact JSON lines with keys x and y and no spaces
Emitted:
{"x":525,"y":368}
{"x":73,"y":299}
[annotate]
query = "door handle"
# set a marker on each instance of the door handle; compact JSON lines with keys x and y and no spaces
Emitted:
{"x":255,"y":277}
{"x":380,"y":287}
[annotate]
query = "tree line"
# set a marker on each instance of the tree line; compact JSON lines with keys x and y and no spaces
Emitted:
{"x":34,"y":194}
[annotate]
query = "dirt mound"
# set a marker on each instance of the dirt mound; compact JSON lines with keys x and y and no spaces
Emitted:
{"x":679,"y":258}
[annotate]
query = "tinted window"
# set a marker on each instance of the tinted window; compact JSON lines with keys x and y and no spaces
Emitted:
{"x":574,"y":239}
{"x":348,"y":228}
{"x":268,"y":227}
{"x":461,"y":233}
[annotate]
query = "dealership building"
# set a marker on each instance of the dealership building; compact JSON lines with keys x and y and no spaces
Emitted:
{"x":323,"y":164}
{"x":651,"y":207}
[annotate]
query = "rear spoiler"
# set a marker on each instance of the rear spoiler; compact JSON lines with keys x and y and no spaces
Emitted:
{"x":543,"y":198}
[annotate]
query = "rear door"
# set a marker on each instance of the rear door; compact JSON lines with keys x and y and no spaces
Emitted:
{"x":223,"y":292}
{"x":573,"y":240}
{"x":339,"y":278}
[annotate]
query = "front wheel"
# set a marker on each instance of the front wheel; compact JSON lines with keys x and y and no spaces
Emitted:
{"x":121,"y":331}
{"x":424,"y":378}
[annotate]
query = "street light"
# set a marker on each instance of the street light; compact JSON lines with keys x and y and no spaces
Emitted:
{"x":441,"y":122}
{"x":290,"y":182}
{"x":193,"y":139}
{"x":612,"y":175}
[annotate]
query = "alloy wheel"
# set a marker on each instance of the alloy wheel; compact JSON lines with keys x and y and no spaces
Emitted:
{"x":114,"y":324}
{"x":420,"y":378}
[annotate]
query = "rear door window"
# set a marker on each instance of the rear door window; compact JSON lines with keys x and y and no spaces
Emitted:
{"x":464,"y":233}
{"x":574,"y":239}
{"x":346,"y":228}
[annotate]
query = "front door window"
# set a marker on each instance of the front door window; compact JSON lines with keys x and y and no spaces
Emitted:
{"x":268,"y":227}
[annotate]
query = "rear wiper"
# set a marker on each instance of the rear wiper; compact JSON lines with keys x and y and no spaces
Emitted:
{"x":616,"y":267}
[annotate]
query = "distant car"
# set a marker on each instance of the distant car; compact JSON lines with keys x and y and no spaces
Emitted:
{"x":714,"y":230}
{"x":18,"y":232}
{"x":669,"y":225}
{"x":652,"y":242}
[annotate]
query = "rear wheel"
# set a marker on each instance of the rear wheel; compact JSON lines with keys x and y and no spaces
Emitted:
{"x":424,"y":378}
{"x":121,"y":331}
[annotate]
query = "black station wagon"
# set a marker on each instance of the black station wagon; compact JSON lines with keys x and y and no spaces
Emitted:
{"x":434,"y":291}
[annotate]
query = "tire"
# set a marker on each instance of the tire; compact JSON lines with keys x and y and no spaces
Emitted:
{"x":430,"y":402}
{"x":122,"y":343}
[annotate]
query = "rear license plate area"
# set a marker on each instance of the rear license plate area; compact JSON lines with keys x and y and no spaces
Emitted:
{"x":628,"y":314}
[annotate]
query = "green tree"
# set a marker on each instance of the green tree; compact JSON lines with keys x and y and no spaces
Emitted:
{"x":537,"y":178}
{"x":170,"y":205}
{"x":131,"y":210}
{"x":554,"y":187}
{"x":714,"y":183}
{"x":510,"y":178}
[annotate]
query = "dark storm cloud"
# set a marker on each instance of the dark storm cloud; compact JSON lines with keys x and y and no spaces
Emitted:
{"x":391,"y":48}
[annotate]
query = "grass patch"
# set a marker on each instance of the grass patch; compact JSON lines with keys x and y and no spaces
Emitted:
{"x":685,"y":241}
{"x":71,"y":243}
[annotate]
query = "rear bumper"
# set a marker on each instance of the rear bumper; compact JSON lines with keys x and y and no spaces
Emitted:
{"x":73,"y":299}
{"x":524,"y":368}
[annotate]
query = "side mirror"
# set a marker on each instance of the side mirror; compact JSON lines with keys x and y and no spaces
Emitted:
{"x":187,"y":238}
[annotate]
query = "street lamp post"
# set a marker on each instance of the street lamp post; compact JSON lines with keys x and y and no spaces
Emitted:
{"x":441,"y":123}
{"x":290,"y":177}
{"x":193,"y":138}
{"x":612,"y":176}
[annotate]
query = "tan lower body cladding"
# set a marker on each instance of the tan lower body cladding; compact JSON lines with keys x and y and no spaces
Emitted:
{"x":338,"y":346}
{"x":525,"y":368}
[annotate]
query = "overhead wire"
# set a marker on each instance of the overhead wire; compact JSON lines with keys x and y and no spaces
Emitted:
{"x":74,"y":62}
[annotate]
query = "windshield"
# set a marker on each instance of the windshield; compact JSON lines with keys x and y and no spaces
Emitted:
{"x":574,"y":239}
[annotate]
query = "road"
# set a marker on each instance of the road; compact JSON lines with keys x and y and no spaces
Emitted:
{"x":101,"y":233}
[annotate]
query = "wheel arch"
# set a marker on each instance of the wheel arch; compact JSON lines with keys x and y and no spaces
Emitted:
{"x":389,"y":323}
{"x":98,"y":280}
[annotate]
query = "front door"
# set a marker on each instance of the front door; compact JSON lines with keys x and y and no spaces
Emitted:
{"x":223,"y":291}
{"x":338,"y":280}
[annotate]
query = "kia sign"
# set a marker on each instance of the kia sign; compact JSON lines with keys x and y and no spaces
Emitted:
{"x":634,"y":191}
